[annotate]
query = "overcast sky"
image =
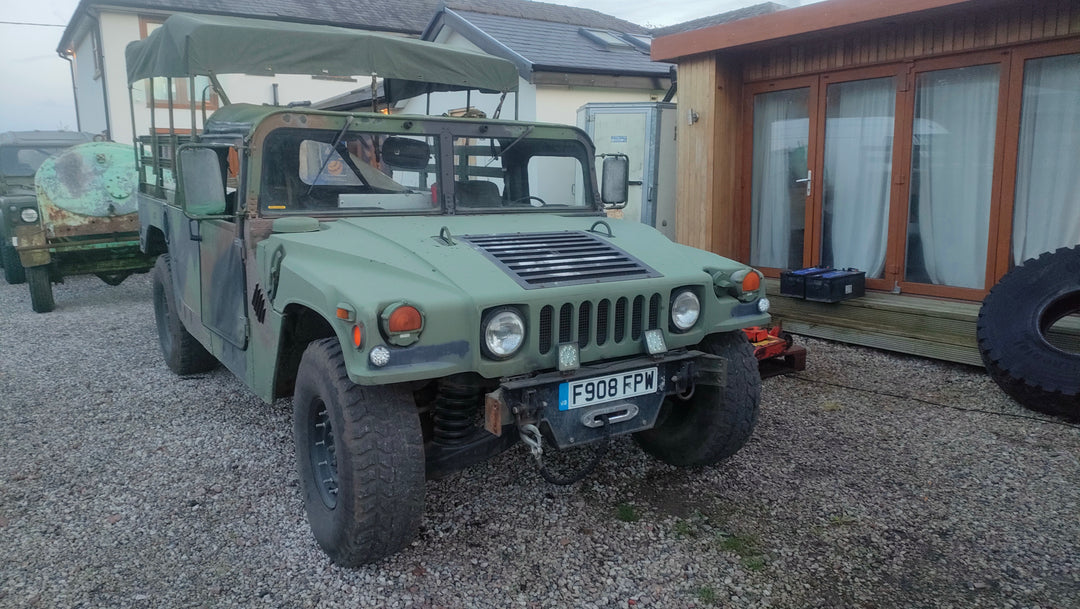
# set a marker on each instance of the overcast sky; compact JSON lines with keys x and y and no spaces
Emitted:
{"x":35,"y":83}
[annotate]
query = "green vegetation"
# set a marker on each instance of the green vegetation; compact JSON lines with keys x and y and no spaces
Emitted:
{"x":626,"y":513}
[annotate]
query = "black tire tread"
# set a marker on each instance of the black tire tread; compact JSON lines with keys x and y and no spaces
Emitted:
{"x":382,"y":487}
{"x":1029,"y":380}
{"x":185,"y":354}
{"x":719,"y":422}
{"x":14,"y":273}
{"x":41,"y":293}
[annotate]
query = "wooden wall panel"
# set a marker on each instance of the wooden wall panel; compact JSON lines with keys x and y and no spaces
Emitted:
{"x":975,"y":30}
{"x":708,"y":203}
{"x":697,"y":150}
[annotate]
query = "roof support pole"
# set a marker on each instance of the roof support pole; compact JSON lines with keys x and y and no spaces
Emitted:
{"x":134,"y":134}
{"x":155,"y":150}
{"x":191,"y":102}
{"x":172,"y":129}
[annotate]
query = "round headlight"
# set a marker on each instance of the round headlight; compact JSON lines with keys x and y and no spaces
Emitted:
{"x":763,"y":305}
{"x":29,"y":215}
{"x":685,"y":309}
{"x":504,"y":333}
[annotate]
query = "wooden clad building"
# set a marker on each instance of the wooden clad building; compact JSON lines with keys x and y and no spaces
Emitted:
{"x":931,"y":143}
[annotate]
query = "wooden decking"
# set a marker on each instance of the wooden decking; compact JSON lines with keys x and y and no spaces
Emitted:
{"x":918,"y":325}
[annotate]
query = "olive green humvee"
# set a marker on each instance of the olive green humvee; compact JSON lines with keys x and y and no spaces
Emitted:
{"x":431,"y":290}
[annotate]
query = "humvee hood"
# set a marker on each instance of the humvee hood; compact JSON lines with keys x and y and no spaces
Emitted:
{"x":448,"y":251}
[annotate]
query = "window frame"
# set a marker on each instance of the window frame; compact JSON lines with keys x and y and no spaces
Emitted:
{"x":183,"y":87}
{"x":1011,"y":61}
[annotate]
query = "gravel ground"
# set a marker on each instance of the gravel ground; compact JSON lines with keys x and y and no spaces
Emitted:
{"x":872,"y":480}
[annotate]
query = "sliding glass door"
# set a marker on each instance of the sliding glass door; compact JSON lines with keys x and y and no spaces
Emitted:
{"x":778,"y":192}
{"x":952,"y":173}
{"x":1046,"y":207}
{"x":857,"y":174}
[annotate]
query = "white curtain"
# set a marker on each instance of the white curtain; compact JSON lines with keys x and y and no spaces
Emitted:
{"x":781,"y":132}
{"x":858,"y":173}
{"x":1046,"y":213}
{"x":953,"y":162}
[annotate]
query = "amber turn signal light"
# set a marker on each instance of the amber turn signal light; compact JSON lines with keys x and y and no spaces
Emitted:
{"x":405,"y":319}
{"x":751,"y":282}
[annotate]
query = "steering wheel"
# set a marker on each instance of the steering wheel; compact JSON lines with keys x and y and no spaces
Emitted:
{"x":533,"y":201}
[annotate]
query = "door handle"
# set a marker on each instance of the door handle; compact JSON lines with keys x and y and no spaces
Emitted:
{"x":808,"y":180}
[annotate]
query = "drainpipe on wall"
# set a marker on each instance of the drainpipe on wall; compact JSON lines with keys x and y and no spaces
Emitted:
{"x":100,"y":59}
{"x":74,"y":88}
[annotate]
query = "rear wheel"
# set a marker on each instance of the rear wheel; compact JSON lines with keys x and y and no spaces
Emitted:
{"x":360,"y":457}
{"x":41,"y":294}
{"x":183,"y":354}
{"x":714,"y":422}
{"x":13,"y":269}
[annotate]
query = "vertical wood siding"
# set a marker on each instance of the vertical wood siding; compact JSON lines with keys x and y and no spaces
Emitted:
{"x":996,"y":26}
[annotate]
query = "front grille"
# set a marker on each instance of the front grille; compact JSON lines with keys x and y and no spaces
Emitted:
{"x":589,"y":324}
{"x":543,"y":260}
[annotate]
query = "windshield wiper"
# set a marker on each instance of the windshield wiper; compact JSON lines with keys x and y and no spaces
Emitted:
{"x":525,"y":133}
{"x":326,"y":161}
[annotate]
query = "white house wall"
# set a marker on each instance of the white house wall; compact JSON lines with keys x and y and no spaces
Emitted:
{"x":88,"y":88}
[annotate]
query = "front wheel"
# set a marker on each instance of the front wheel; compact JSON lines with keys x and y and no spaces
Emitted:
{"x":360,"y":457}
{"x":13,"y":269}
{"x":41,"y":294}
{"x":714,"y":422}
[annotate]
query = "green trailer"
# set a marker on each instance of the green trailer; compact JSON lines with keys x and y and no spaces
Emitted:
{"x":21,"y":154}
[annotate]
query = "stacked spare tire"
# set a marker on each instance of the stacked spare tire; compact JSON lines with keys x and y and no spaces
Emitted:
{"x":1012,"y":331}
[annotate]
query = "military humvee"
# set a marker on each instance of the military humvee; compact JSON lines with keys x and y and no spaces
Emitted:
{"x":21,"y":154}
{"x":430,"y":290}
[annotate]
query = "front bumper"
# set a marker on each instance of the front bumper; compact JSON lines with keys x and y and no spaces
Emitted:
{"x":543,"y":400}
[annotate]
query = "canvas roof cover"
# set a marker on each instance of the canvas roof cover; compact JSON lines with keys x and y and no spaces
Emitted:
{"x":200,"y":45}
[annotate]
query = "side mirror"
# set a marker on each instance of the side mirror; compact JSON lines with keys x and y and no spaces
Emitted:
{"x":615,"y":181}
{"x":202,"y":186}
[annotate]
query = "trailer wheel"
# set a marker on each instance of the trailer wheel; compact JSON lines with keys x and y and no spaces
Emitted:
{"x":183,"y":353}
{"x":41,"y":294}
{"x":14,"y":273}
{"x":360,"y":457}
{"x":1012,"y":326}
{"x":714,"y":422}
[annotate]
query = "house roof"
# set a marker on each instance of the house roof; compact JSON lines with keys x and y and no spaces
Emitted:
{"x":402,"y":16}
{"x":544,"y":44}
{"x":824,"y":18}
{"x":740,"y":13}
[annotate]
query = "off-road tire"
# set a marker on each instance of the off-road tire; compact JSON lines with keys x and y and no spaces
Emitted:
{"x":1012,"y":327}
{"x":14,"y":273}
{"x":41,"y":294}
{"x":715,"y":422}
{"x":182,"y":352}
{"x":376,"y":459}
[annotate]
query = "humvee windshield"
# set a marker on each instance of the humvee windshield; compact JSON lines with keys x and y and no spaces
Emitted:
{"x":23,"y":161}
{"x":328,"y":172}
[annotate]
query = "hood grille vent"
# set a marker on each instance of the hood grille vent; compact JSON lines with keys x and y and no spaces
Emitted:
{"x":544,"y":260}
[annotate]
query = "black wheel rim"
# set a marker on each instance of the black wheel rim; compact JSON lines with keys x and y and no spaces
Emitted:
{"x":322,"y":452}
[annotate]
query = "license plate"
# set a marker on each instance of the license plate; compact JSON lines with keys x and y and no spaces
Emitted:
{"x":598,"y":390}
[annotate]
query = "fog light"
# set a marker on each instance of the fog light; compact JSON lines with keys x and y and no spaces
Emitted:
{"x":569,"y":358}
{"x":379,"y":356}
{"x":29,"y":215}
{"x":654,"y":342}
{"x":763,"y":305}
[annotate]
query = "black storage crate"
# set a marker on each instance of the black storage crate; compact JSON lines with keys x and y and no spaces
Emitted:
{"x":834,"y":286}
{"x":793,"y":283}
